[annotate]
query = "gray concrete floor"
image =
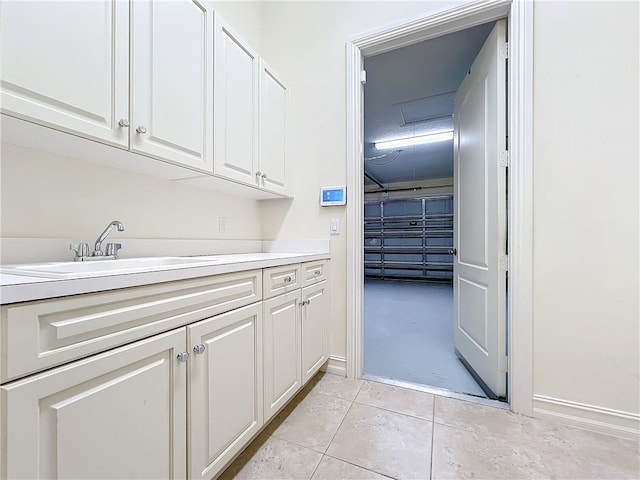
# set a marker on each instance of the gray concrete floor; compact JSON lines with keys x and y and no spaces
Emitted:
{"x":408,"y":335}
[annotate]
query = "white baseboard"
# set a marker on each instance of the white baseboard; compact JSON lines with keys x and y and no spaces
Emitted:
{"x":336,"y":365}
{"x":588,"y":417}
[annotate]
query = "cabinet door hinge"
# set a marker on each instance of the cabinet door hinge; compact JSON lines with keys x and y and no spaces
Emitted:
{"x":503,"y":364}
{"x":503,"y":263}
{"x":503,"y":159}
{"x":504,"y":51}
{"x":363,"y":76}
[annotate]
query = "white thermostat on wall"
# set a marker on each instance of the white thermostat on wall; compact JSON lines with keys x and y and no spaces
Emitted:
{"x":330,"y":196}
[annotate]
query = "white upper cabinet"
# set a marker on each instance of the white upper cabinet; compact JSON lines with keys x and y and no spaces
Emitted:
{"x":236,"y":100}
{"x":137,"y":75}
{"x":172,"y":84}
{"x":166,"y":80}
{"x":274,"y":105}
{"x":66,"y":65}
{"x":250,"y":121}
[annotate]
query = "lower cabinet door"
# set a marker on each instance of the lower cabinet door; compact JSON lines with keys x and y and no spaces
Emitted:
{"x":281,"y":351}
{"x":225,"y":388}
{"x":315,"y":338}
{"x":120,"y":414}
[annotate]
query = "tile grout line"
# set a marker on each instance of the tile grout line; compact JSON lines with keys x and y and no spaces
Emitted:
{"x":395,"y":411}
{"x":316,"y":468}
{"x":343,"y":418}
{"x":360,"y":466}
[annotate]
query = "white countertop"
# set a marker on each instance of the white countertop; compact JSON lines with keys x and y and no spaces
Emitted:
{"x":23,"y":288}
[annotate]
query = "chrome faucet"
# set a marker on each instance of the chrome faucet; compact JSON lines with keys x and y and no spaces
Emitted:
{"x":97,"y":250}
{"x":82,"y":249}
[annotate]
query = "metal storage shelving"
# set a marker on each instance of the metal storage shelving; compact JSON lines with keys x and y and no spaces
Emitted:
{"x":409,"y":238}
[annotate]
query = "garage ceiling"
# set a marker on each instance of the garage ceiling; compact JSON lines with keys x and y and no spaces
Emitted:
{"x":409,"y":91}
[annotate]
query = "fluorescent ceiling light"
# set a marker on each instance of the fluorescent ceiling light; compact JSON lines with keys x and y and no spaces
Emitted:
{"x":417,"y":140}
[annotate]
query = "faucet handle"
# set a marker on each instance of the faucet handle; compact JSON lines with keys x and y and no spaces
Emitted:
{"x":112,"y":249}
{"x":81,"y":249}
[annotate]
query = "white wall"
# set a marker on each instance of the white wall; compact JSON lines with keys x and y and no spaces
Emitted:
{"x":586,"y":212}
{"x":44,"y":195}
{"x":586,"y":337}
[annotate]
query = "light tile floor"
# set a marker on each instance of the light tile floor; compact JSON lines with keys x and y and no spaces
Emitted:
{"x":341,"y":429}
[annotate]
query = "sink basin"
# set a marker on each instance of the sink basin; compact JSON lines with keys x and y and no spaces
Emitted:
{"x":101,"y":267}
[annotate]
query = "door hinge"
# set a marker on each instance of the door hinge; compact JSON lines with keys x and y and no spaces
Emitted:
{"x":503,"y":159}
{"x":503,"y":263}
{"x":503,"y":364}
{"x":363,"y":77}
{"x":504,"y":51}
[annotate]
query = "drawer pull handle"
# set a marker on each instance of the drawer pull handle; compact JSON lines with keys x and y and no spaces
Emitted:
{"x":199,"y":349}
{"x":287,"y":279}
{"x":304,"y":302}
{"x":316,"y":272}
{"x":183,"y":357}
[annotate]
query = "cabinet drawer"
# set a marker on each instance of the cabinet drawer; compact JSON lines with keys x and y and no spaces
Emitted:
{"x":313,"y":272}
{"x":39,"y":335}
{"x":278,"y":280}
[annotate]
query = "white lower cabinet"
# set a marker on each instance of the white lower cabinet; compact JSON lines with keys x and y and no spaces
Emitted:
{"x":183,"y":403}
{"x":281,"y":351}
{"x":119,"y":414}
{"x":314,"y":331}
{"x":296,"y":336}
{"x":225,"y":389}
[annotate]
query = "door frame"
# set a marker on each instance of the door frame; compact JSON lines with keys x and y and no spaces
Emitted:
{"x":520,"y":201}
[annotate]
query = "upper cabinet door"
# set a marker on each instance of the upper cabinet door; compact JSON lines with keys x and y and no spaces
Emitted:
{"x":274,"y":112}
{"x":66,"y":65}
{"x":236,"y":94}
{"x":172,"y":84}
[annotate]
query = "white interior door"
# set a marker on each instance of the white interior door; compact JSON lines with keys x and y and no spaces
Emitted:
{"x":480,"y":213}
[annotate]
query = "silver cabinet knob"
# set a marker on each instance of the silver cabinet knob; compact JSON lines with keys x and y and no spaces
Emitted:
{"x":287,"y":279}
{"x":316,"y":273}
{"x":123,"y":122}
{"x":264,"y":176}
{"x":302,"y":303}
{"x":183,"y":357}
{"x":453,"y":251}
{"x":141,"y":129}
{"x":258,"y":173}
{"x":308,"y":302}
{"x":199,"y":349}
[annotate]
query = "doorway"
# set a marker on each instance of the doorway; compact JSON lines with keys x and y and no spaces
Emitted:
{"x":433,"y":111}
{"x":520,"y":219}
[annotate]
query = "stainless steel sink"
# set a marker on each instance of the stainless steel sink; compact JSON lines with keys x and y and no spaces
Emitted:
{"x":101,"y":267}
